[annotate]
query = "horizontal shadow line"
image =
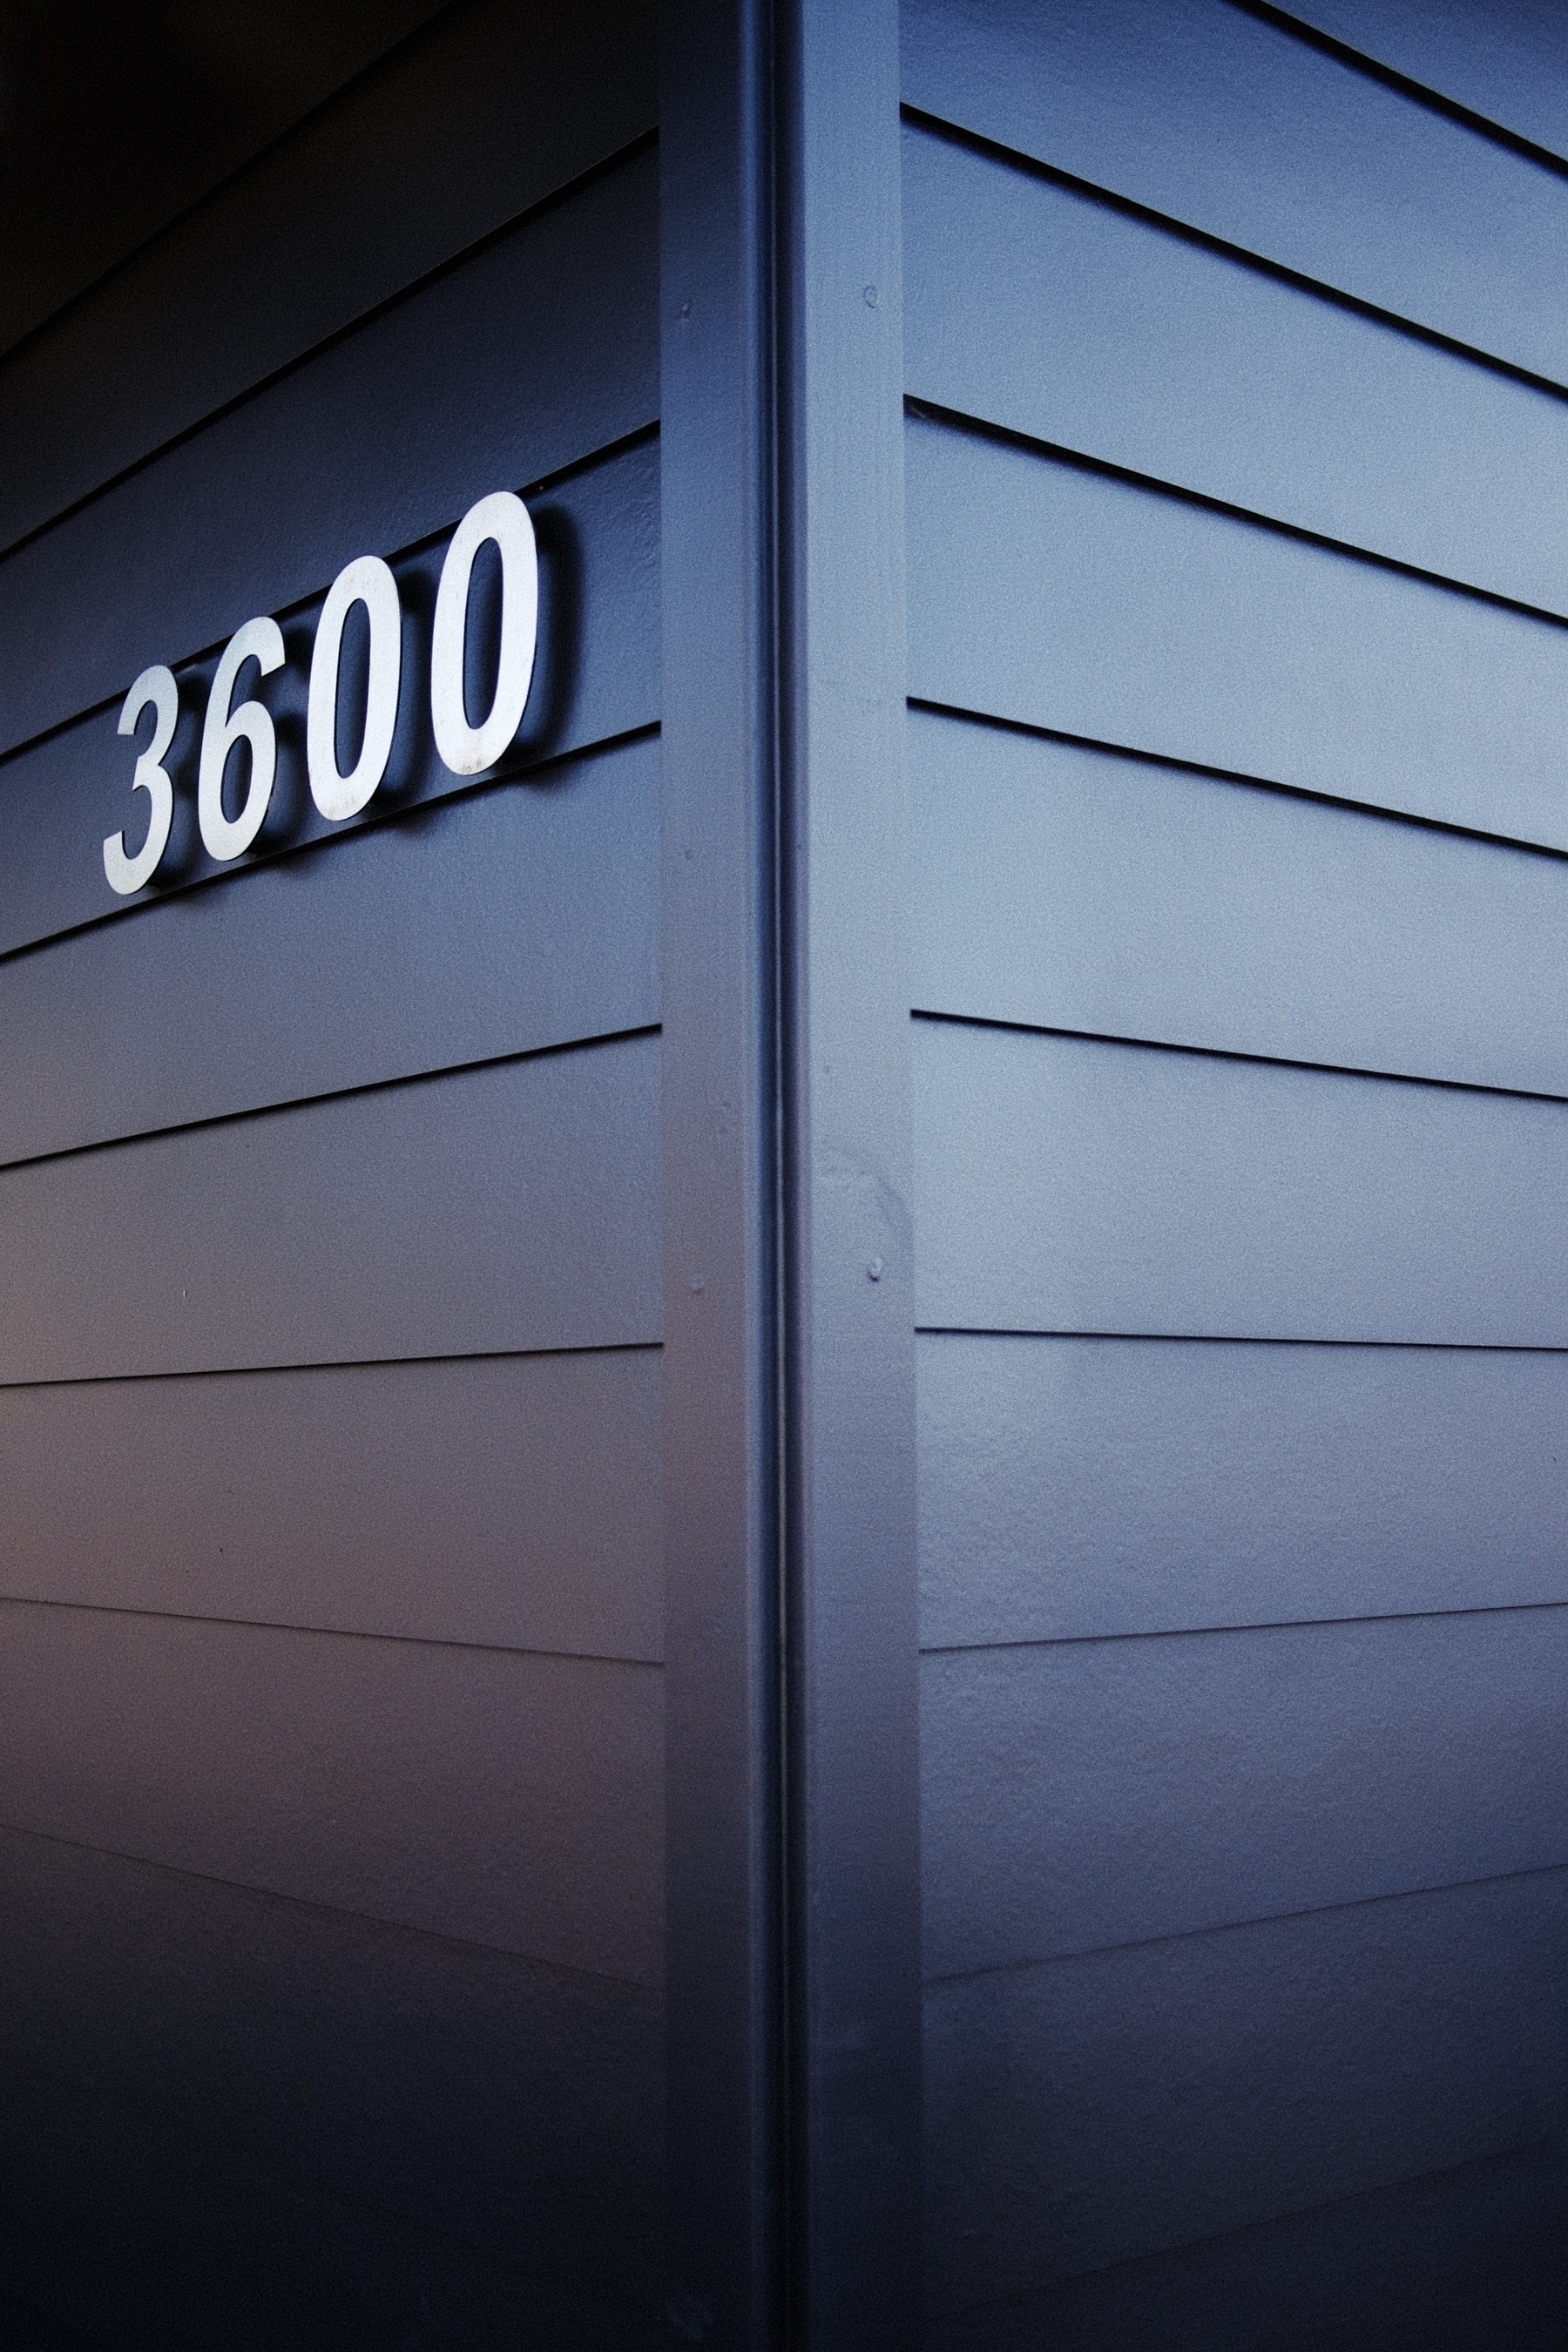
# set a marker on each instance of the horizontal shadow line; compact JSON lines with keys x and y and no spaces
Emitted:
{"x":1035,"y":732}
{"x":978,"y":143}
{"x":556,"y":1051}
{"x":301,"y":1903}
{"x":1256,"y":1625}
{"x":347,"y":1362}
{"x":933,"y":1019}
{"x":555,"y":198}
{"x":337,"y":1364}
{"x":1421,"y":93}
{"x":327,"y":1633}
{"x":982,"y":429}
{"x":1235,"y":1340}
{"x":1240,"y":1927}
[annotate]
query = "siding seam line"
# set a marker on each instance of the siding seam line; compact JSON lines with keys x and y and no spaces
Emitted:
{"x":284,"y":1108}
{"x":1242,"y":1926}
{"x":929,"y":707}
{"x":643,"y":144}
{"x":1022,"y":2298}
{"x":344,"y":94}
{"x":1422,"y":94}
{"x":327,"y":1633}
{"x":1079,"y":461}
{"x":1244,"y":1629}
{"x":344,"y":1364}
{"x":958,"y":134}
{"x":995,"y":1023}
{"x":1162,"y":1340}
{"x":326,"y":1910}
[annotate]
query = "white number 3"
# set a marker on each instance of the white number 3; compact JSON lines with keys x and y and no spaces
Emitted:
{"x":125,"y":873}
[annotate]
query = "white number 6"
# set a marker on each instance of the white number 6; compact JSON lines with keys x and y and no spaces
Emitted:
{"x":127,"y":874}
{"x":261,"y":642}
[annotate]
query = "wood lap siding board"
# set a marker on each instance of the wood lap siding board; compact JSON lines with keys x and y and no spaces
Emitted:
{"x":331,"y":1845}
{"x":1238,"y":583}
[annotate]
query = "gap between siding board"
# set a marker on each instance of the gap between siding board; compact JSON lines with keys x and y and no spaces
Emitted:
{"x":1227,"y":1053}
{"x":373,"y":822}
{"x":1261,"y":1625}
{"x":337,"y":1094}
{"x":995,"y":150}
{"x":332,"y":1633}
{"x":1263,"y":1919}
{"x":1421,"y":93}
{"x":323,"y":1910}
{"x":563,"y":194}
{"x":961,"y":714}
{"x":982,"y":429}
{"x":347,"y":1364}
{"x":1168,"y":1340}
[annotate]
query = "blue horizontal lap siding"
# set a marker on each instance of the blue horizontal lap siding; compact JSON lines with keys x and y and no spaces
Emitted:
{"x":331,"y":1569}
{"x":203,"y":2059}
{"x":524,"y":358}
{"x":1094,"y":2110}
{"x":509,"y":1500}
{"x":1218,"y":119}
{"x":382,"y":1777}
{"x":1034,"y":305}
{"x":1504,"y":63}
{"x":1068,"y":1184}
{"x":448,"y":936}
{"x":1250,"y":1484}
{"x":1055,"y":595}
{"x":1241,"y":799}
{"x":1086,"y":1793}
{"x":1066,"y":888}
{"x":481,"y":118}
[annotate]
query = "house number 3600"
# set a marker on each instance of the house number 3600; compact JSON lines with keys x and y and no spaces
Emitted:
{"x":466,"y":749}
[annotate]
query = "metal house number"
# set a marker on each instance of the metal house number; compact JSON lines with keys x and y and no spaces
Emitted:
{"x":467,"y":749}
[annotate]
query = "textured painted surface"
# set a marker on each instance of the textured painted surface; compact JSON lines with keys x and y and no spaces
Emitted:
{"x":331,"y":1792}
{"x":1241,"y":1166}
